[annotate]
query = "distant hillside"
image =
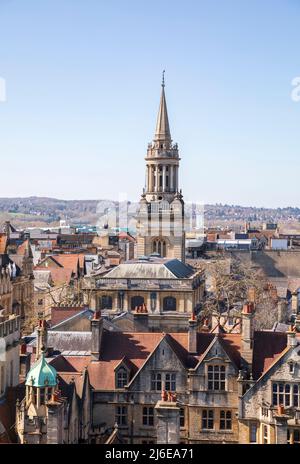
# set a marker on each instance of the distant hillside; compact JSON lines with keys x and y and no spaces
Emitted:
{"x":48,"y":211}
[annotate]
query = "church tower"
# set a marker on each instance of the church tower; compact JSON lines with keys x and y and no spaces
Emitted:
{"x":161,"y":212}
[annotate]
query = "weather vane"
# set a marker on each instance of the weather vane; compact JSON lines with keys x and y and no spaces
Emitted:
{"x":163,"y":78}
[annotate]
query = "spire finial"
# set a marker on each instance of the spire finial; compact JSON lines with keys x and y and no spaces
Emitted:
{"x":162,"y":132}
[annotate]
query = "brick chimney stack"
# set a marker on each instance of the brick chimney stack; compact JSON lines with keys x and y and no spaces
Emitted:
{"x":168,"y":420}
{"x":97,"y":333}
{"x":192,"y":335}
{"x":291,"y":337}
{"x":247,"y":333}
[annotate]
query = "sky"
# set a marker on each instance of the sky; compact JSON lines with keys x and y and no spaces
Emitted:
{"x":80,"y":87}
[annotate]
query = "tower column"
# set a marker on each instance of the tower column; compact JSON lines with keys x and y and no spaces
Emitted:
{"x":156,"y":178}
{"x":171,"y":177}
{"x":164,"y":179}
{"x":150,"y":185}
{"x":147,"y":178}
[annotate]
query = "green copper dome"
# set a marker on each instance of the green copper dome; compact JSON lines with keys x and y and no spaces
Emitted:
{"x":41,"y":374}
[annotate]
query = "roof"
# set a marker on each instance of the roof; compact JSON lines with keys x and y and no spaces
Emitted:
{"x":65,"y":260}
{"x":41,"y":374}
{"x":137,"y":347}
{"x":69,"y":341}
{"x":60,"y":276}
{"x":162,"y":131}
{"x":267,"y":347}
{"x":24,"y":249}
{"x":3,"y":241}
{"x":70,"y":363}
{"x":152,"y":268}
{"x":126,"y":236}
{"x":60,"y":314}
{"x":80,"y":321}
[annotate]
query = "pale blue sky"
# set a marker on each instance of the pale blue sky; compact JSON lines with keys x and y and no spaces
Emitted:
{"x":83,"y":84}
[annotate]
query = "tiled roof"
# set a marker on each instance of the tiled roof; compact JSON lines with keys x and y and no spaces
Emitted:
{"x":137,"y":347}
{"x":65,"y":260}
{"x":69,"y":364}
{"x":267,"y":348}
{"x":59,"y":314}
{"x":70,"y":260}
{"x":66,"y":381}
{"x":24,"y":249}
{"x":59,"y":276}
{"x":3,"y":241}
{"x":126,"y":236}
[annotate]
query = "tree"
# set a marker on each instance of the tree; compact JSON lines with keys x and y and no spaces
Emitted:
{"x":234,"y":282}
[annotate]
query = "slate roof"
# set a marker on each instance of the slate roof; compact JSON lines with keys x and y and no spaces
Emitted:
{"x":69,"y":341}
{"x":152,"y":268}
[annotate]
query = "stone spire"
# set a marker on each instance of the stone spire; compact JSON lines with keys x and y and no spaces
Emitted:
{"x":162,"y":132}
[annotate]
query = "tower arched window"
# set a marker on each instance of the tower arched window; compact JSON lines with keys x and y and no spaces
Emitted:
{"x":169,"y":303}
{"x":159,"y":246}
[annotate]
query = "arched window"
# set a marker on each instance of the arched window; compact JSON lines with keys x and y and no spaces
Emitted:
{"x":159,"y":246}
{"x":106,"y":302}
{"x":121,"y":377}
{"x":136,"y":301}
{"x":169,"y":303}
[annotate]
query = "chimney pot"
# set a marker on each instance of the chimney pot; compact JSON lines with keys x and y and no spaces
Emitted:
{"x":291,"y":337}
{"x":280,"y":410}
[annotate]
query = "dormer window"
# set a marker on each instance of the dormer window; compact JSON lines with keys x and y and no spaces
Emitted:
{"x":121,"y":377}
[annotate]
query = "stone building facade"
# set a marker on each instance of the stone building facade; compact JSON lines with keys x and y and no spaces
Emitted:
{"x":130,"y":371}
{"x":56,"y":406}
{"x":162,"y":292}
{"x":17,"y":260}
{"x":6,"y":289}
{"x":9,"y":352}
{"x":269,"y":411}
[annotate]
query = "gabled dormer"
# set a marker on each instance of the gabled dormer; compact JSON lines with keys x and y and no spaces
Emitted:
{"x":123,"y":373}
{"x":216,"y":370}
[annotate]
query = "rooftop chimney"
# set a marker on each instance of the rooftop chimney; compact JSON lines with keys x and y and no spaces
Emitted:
{"x":247,"y":333}
{"x":295,"y":303}
{"x":168,"y":422}
{"x":291,"y":337}
{"x":42,"y":335}
{"x":192,"y":335}
{"x":97,"y":332}
{"x":281,"y":310}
